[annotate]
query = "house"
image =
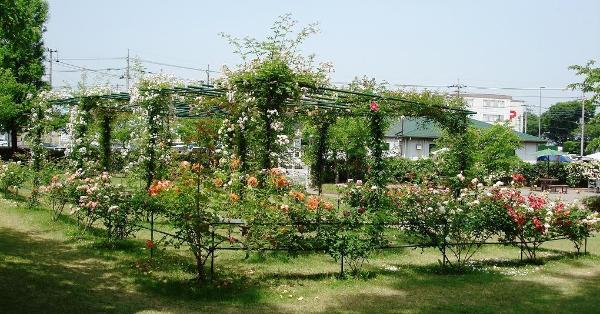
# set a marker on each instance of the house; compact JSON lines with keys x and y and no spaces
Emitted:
{"x":414,"y":138}
{"x":492,"y":108}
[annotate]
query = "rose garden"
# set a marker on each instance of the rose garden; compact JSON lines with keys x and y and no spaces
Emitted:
{"x":230,"y":201}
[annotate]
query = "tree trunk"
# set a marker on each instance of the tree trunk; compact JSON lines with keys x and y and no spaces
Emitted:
{"x":200,"y":269}
{"x":13,"y":140}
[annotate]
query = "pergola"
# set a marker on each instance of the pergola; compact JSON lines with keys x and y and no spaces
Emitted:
{"x":342,"y":102}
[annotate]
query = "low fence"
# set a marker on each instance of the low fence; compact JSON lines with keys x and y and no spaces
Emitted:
{"x":216,"y":247}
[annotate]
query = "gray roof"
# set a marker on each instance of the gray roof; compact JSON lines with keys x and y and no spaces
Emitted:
{"x":419,"y":127}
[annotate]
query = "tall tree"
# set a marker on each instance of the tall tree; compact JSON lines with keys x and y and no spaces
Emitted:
{"x":561,"y":119}
{"x":533,"y":124}
{"x":22,"y":55}
{"x":591,"y":87}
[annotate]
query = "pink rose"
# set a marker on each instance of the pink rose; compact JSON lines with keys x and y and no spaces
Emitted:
{"x":374,"y":106}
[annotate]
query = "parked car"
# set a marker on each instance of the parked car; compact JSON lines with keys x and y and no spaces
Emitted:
{"x":179,"y":147}
{"x":562,"y":158}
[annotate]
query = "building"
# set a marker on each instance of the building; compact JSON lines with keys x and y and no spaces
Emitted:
{"x":414,"y":138}
{"x":491,"y":108}
{"x":4,"y":139}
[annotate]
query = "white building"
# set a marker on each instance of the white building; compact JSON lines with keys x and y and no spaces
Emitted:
{"x":492,"y":108}
{"x":414,"y":138}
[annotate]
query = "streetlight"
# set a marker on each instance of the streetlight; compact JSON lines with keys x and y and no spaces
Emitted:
{"x":540,"y":114}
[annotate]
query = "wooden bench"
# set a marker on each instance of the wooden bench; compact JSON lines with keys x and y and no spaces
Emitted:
{"x":554,"y":188}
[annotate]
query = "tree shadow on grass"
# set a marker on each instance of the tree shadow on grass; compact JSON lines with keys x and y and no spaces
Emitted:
{"x":420,"y":289}
{"x":47,"y":276}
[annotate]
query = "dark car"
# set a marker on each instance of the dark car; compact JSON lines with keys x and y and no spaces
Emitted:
{"x":561,"y":158}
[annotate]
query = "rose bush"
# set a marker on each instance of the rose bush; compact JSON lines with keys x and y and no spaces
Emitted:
{"x":455,"y":225}
{"x":12,"y":176}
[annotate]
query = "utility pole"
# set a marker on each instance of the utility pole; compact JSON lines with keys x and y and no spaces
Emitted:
{"x":540,"y":114}
{"x":127,"y":72}
{"x":51,"y":51}
{"x":458,"y":87}
{"x":582,"y":125}
{"x":208,"y":74}
{"x":525,"y":119}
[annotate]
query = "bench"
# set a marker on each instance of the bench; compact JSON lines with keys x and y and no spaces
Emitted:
{"x":554,"y":188}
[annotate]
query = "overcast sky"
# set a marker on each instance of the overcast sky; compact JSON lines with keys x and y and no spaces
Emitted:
{"x":482,"y":43}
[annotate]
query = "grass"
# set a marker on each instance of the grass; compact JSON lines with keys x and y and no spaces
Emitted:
{"x":54,"y":267}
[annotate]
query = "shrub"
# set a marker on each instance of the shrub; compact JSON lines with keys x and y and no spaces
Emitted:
{"x":455,"y":225}
{"x":414,"y":171}
{"x":12,"y":176}
{"x":99,"y":199}
{"x":578,"y":173}
{"x":592,"y":203}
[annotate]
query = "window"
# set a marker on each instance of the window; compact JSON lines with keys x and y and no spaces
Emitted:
{"x":493,"y":117}
{"x":419,"y":146}
{"x":431,"y":148}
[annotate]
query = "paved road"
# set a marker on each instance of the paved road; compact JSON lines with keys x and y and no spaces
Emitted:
{"x":570,"y":196}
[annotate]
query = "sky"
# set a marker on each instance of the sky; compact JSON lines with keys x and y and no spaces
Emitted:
{"x":524,"y":44}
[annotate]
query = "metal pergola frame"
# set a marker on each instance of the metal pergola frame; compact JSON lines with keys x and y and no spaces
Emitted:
{"x":319,"y":97}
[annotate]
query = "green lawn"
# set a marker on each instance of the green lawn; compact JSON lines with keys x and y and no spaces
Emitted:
{"x":53,"y":267}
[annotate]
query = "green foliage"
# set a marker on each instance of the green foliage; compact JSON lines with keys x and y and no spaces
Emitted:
{"x":495,"y":151}
{"x":412,"y":171}
{"x":453,"y":225}
{"x":591,"y":80}
{"x":533,"y":124}
{"x":562,"y":119}
{"x":578,"y":173}
{"x":481,"y":152}
{"x":12,"y":176}
{"x":21,"y":56}
{"x":571,"y":147}
{"x":592,"y":203}
{"x":191,"y":203}
{"x":461,"y":152}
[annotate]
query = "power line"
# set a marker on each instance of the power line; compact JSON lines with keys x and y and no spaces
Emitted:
{"x":178,"y":66}
{"x":93,"y":59}
{"x":82,"y":70}
{"x":86,"y":69}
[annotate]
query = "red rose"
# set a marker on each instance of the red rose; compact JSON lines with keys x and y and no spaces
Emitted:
{"x":374,"y":106}
{"x":150,"y":244}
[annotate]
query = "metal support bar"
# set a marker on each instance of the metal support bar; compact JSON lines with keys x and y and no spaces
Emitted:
{"x":212,"y":255}
{"x":152,"y":233}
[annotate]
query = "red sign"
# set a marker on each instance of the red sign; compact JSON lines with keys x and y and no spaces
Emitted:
{"x":512,"y":115}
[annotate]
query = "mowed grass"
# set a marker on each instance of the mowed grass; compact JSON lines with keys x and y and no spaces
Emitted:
{"x":49,"y":267}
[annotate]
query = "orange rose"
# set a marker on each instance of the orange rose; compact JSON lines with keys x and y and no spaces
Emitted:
{"x":328,"y":205}
{"x":218,"y":182}
{"x":252,"y":181}
{"x":299,"y":196}
{"x":196,"y":167}
{"x":158,"y":186}
{"x":280,"y":181}
{"x":234,"y":197}
{"x":235,"y":163}
{"x":313,"y":202}
{"x":275,"y":171}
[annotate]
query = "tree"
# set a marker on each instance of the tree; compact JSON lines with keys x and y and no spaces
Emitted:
{"x":590,"y":86}
{"x":533,"y":124}
{"x":591,"y":80}
{"x":496,"y":149}
{"x":561,"y":119}
{"x":22,"y":54}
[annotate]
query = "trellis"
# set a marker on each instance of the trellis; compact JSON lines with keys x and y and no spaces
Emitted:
{"x":342,"y":102}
